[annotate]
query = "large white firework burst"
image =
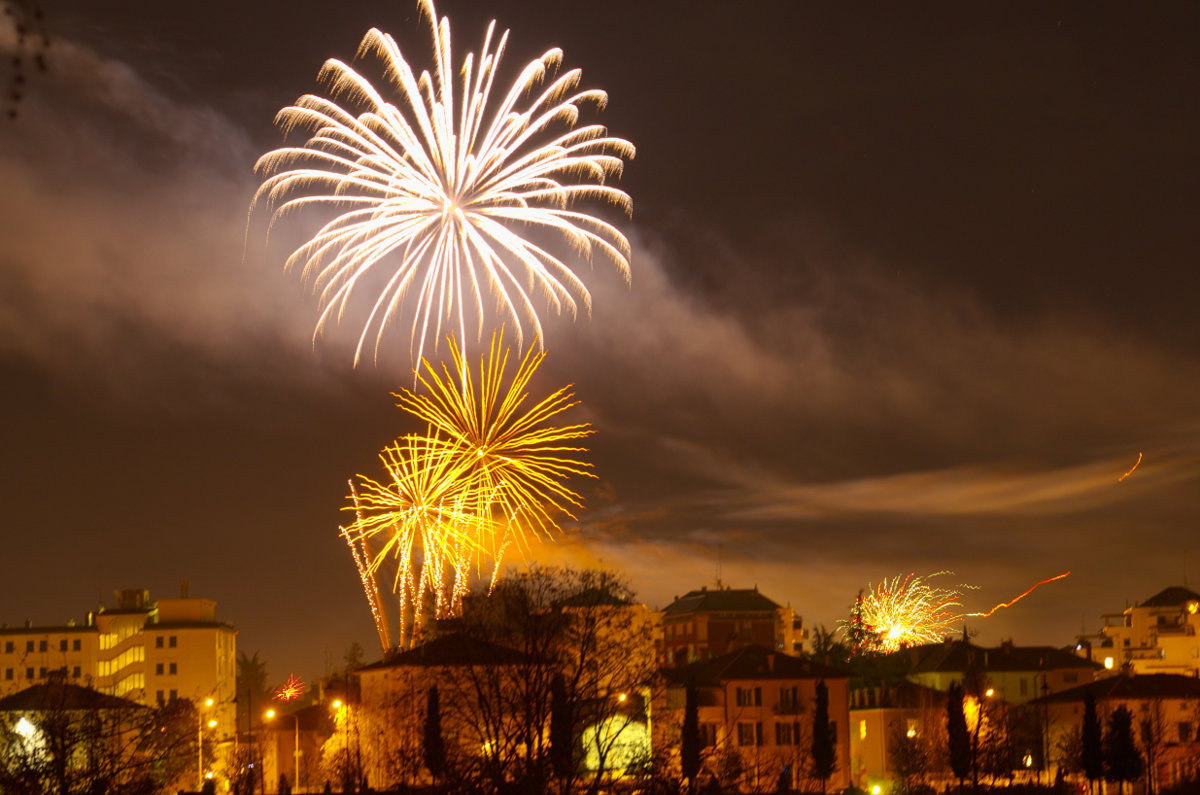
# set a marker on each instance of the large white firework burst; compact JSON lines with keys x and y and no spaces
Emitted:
{"x":443,"y":188}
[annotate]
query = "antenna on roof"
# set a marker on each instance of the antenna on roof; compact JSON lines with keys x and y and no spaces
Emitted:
{"x":718,"y":567}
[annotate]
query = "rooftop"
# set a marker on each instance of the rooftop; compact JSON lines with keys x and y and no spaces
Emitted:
{"x":725,"y":600}
{"x":452,"y":649}
{"x":1125,"y":686}
{"x":756,"y":662}
{"x":956,"y":656}
{"x":56,"y":695}
{"x":1174,"y":596}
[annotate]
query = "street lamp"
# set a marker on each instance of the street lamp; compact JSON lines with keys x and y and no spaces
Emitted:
{"x":200,"y":742}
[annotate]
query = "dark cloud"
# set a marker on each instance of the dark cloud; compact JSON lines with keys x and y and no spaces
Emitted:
{"x":803,"y":408}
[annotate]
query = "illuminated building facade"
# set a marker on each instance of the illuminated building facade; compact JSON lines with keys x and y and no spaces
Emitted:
{"x":704,"y":624}
{"x":1166,"y":720}
{"x":879,"y":715}
{"x":1159,"y":636}
{"x":143,"y":650}
{"x":758,"y":703}
{"x":1014,"y":674}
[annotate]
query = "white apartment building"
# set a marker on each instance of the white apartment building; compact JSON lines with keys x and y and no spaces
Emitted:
{"x":147,"y":651}
{"x":1159,"y":636}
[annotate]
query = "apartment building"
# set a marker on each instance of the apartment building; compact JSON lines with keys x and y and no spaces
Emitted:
{"x":1157,"y":636}
{"x":704,"y":624}
{"x":148,"y":651}
{"x":757,"y":703}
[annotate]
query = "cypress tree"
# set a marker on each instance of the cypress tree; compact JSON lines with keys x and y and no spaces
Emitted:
{"x":958,"y":739}
{"x":689,"y":742}
{"x":561,"y":735}
{"x":1092,"y":753}
{"x":824,"y":744}
{"x":433,"y":747}
{"x":1122,"y":761}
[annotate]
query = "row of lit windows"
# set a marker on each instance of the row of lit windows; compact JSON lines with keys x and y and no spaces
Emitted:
{"x":9,"y":673}
{"x":130,"y":656}
{"x":789,"y":733}
{"x":43,"y":645}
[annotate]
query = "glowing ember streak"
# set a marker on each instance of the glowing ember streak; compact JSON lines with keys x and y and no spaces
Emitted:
{"x":489,"y":473}
{"x":1130,"y":472}
{"x":292,"y":690}
{"x":1012,"y":602}
{"x":907,"y":611}
{"x":445,"y":189}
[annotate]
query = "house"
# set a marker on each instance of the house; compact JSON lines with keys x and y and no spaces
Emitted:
{"x":880,"y":716}
{"x":1166,"y":719}
{"x":704,"y":624}
{"x":1157,"y":636}
{"x":1014,"y":674}
{"x":755,"y":707}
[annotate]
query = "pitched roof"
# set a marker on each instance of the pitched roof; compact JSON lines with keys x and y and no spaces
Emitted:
{"x":956,"y":656}
{"x":453,"y":648}
{"x":1174,"y":596}
{"x":55,"y":696}
{"x":727,"y":600}
{"x":755,"y":662}
{"x":1125,"y":686}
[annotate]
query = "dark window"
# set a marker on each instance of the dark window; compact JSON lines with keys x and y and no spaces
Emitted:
{"x":173,"y":669}
{"x":174,"y":694}
{"x":158,"y":669}
{"x":77,"y":645}
{"x":43,"y":645}
{"x":8,"y":647}
{"x":745,"y":734}
{"x":75,"y":672}
{"x":1185,"y":732}
{"x":41,"y":673}
{"x":8,"y":673}
{"x":171,"y":641}
{"x":158,"y":696}
{"x":28,"y":673}
{"x":708,"y":735}
{"x":28,"y":645}
{"x":158,"y":642}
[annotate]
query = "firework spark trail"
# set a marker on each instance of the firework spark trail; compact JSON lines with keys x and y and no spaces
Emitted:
{"x":908,"y":610}
{"x":1136,"y":464}
{"x":489,"y":473}
{"x":292,"y":690}
{"x":448,"y":202}
{"x":1012,"y":602}
{"x":367,"y":576}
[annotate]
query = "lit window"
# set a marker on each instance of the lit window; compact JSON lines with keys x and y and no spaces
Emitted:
{"x":1108,"y":663}
{"x":862,"y":730}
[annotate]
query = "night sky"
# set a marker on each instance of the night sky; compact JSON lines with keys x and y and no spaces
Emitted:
{"x":912,"y":287}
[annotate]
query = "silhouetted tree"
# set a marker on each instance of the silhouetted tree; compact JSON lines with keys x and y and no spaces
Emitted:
{"x":958,"y":738}
{"x":689,"y":740}
{"x":908,"y":758}
{"x":432,"y":745}
{"x":1122,"y":762}
{"x":562,"y":732}
{"x":824,"y":744}
{"x":1092,"y":752}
